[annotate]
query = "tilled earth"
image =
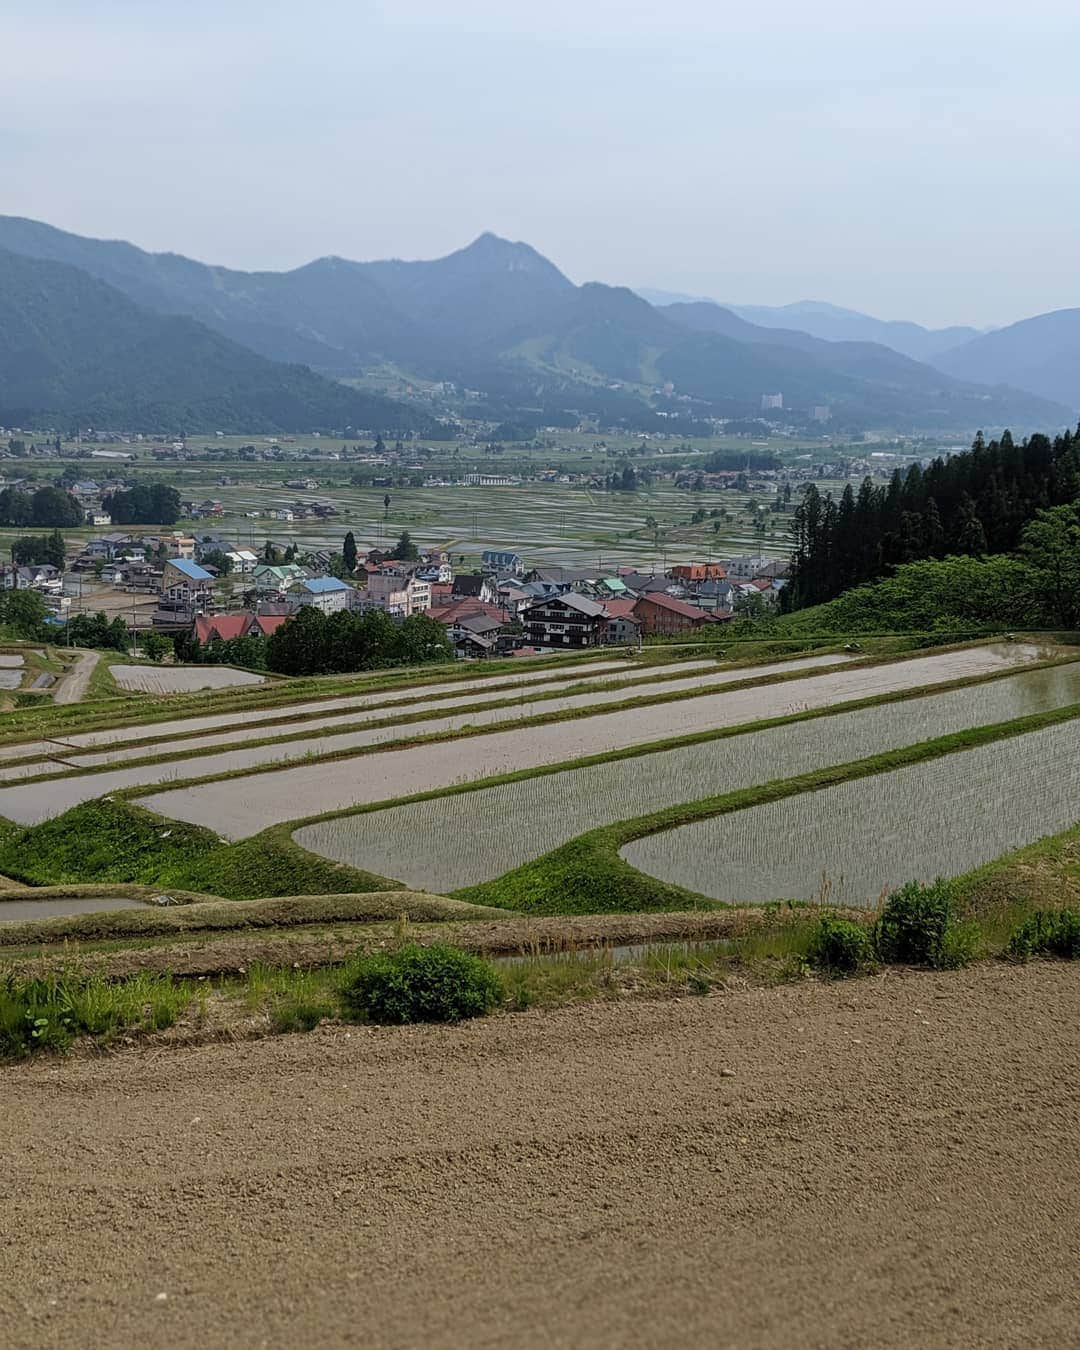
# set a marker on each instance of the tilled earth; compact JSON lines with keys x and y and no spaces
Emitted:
{"x":890,"y":1162}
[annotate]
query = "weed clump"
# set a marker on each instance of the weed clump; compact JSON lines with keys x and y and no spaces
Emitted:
{"x":839,"y":947}
{"x":439,"y":983}
{"x":48,"y":1014}
{"x":921,"y":926}
{"x":1047,"y":932}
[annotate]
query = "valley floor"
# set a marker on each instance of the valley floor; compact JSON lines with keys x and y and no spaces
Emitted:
{"x":887,"y":1162}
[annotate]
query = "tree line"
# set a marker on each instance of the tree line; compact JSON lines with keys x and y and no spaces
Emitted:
{"x":971,"y":504}
{"x":145,"y":503}
{"x":47,"y":507}
{"x":313,"y":643}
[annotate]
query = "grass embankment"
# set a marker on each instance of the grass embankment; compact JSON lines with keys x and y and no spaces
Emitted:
{"x":104,"y":841}
{"x":927,"y":927}
{"x":587,"y":875}
{"x":203,"y":917}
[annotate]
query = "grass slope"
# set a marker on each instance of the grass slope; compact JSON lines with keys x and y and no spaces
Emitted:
{"x":105,"y":840}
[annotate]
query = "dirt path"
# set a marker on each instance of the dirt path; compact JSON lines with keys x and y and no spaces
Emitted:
{"x":892,"y":1162}
{"x":72,"y":688}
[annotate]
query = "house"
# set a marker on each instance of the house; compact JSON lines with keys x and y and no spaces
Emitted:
{"x":185,"y":582}
{"x":98,"y":518}
{"x":621,"y":625}
{"x":44,"y":578}
{"x":276,"y":578}
{"x":396,"y":589}
{"x":328,"y":594}
{"x":457,"y":610}
{"x":565,"y":620}
{"x":660,"y":613}
{"x":222,"y":627}
{"x":209,"y":508}
{"x":745,"y":567}
{"x":715,"y":596}
{"x":475,"y":636}
{"x":514,"y":598}
{"x":566,"y":578}
{"x":475,"y":586}
{"x":499,"y":560}
{"x":243,"y":560}
{"x":282,"y":513}
{"x":691,"y":573}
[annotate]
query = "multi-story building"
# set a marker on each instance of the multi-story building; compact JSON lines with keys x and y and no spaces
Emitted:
{"x":185,"y":582}
{"x":660,"y":613}
{"x":398,"y":591}
{"x":566,"y":620}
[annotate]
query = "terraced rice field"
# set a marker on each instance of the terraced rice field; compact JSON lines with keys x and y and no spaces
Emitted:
{"x":238,"y":721}
{"x":520,"y":821}
{"x":58,"y":794}
{"x":244,"y":805}
{"x":180,"y":679}
{"x":545,"y":700}
{"x":940,"y":818}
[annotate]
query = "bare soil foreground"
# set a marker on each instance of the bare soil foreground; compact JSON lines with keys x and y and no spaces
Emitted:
{"x":890,"y":1162}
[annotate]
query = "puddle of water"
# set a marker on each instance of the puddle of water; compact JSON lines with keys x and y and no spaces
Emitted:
{"x":22,"y":911}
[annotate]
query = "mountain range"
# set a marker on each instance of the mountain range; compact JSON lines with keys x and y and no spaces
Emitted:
{"x":103,"y":331}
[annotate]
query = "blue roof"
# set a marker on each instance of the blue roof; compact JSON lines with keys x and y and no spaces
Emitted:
{"x":191,"y":570}
{"x":320,"y":585}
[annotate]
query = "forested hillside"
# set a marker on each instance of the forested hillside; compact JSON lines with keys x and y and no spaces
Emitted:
{"x":972,"y":504}
{"x":74,"y":351}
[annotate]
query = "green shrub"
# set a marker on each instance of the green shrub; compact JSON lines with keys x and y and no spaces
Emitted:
{"x":920,"y":926}
{"x":1047,"y":932}
{"x":419,"y":984}
{"x":839,"y":947}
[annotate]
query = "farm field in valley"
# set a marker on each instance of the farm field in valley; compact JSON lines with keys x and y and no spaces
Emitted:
{"x":531,"y":816}
{"x":919,"y":822}
{"x":239,"y":807}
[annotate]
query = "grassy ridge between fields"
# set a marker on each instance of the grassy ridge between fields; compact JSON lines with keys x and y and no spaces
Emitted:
{"x":110,"y":840}
{"x":586,"y":875}
{"x":205,"y":917}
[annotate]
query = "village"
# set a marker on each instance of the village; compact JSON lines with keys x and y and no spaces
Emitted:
{"x":206,"y":587}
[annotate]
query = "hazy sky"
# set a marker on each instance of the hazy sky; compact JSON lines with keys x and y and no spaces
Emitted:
{"x":915,"y":160}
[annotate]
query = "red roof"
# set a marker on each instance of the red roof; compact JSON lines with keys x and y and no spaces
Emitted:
{"x":669,"y":602}
{"x":441,"y":592}
{"x":224,"y":627}
{"x":269,"y":623}
{"x":620,"y":609}
{"x":464,"y":609}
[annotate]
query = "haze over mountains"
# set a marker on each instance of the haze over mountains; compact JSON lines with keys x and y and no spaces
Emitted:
{"x":102,"y":331}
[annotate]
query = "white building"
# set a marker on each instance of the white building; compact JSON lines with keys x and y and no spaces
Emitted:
{"x":328,"y":594}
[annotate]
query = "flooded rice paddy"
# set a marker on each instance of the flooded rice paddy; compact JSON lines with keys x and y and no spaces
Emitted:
{"x":26,"y":802}
{"x":940,"y":818}
{"x":498,"y":828}
{"x":243,"y":806}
